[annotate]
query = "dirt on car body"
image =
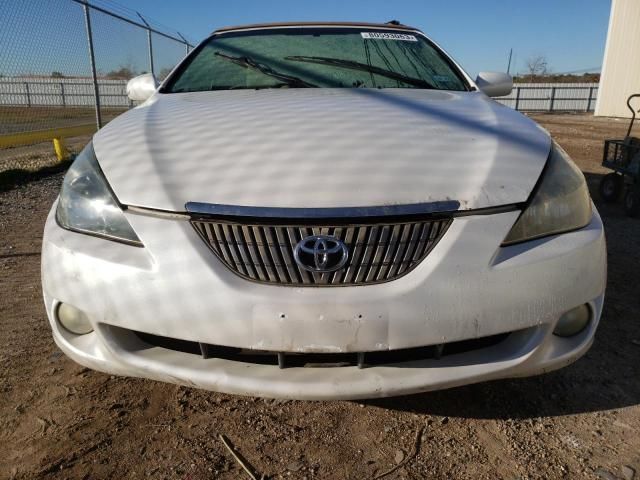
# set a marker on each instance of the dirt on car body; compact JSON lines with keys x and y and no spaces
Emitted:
{"x":60,"y":420}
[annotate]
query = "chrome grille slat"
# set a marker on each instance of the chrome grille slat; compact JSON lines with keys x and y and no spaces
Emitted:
{"x":206,"y":228}
{"x":276,"y":253}
{"x":339,"y":233}
{"x":412,"y":241}
{"x":388,"y":252}
{"x":307,"y":276}
{"x":245,"y":256}
{"x":295,"y":235}
{"x":424,"y":233}
{"x":347,"y":238}
{"x":360,"y":239}
{"x":367,"y":254}
{"x":265,"y":252}
{"x":378,"y":252}
{"x":254,"y":253}
{"x":224,"y":247}
{"x":407,"y":230}
{"x":285,"y":247}
{"x":235,"y":250}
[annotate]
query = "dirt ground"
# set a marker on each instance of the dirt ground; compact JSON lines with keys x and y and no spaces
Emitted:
{"x":33,"y":157}
{"x":59,"y":420}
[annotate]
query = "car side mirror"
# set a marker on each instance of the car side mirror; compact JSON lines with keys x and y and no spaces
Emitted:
{"x":495,"y":84}
{"x":142,"y":87}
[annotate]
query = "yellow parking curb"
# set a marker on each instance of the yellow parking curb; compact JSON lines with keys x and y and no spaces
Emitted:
{"x":56,"y":134}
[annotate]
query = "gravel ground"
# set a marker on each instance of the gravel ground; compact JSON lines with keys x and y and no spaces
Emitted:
{"x":59,"y":420}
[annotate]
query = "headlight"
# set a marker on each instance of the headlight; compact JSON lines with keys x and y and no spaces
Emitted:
{"x":88,"y":205}
{"x":560,"y":202}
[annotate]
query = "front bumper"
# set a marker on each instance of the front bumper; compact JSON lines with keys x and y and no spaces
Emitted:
{"x":466,"y":288}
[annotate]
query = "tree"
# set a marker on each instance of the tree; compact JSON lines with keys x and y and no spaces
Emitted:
{"x":163,"y":73}
{"x":126,"y":70}
{"x":56,"y":74}
{"x":537,"y":65}
{"x":560,"y":78}
{"x":123,"y":73}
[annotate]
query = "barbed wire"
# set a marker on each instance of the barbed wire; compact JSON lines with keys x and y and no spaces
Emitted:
{"x":53,"y":89}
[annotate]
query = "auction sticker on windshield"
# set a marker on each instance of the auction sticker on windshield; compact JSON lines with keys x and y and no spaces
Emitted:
{"x":388,"y":36}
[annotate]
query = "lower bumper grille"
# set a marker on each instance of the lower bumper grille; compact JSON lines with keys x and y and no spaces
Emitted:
{"x":376,"y":253}
{"x":319,"y":360}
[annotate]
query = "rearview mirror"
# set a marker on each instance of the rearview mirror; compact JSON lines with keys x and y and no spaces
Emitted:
{"x":495,"y":84}
{"x":142,"y":87}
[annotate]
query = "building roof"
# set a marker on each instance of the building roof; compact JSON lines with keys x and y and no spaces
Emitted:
{"x":392,"y":26}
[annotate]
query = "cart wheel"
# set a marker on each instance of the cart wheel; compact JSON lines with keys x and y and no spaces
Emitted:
{"x":632,"y":202}
{"x":611,"y":187}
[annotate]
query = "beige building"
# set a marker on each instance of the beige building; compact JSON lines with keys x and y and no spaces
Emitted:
{"x":621,"y":67}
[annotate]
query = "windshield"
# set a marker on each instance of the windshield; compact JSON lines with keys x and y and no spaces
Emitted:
{"x":316,"y":57}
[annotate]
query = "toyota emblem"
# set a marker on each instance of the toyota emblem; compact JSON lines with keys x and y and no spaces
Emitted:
{"x":321,"y":254}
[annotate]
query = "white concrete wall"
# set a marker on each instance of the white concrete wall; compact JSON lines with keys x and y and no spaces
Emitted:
{"x":621,"y":68}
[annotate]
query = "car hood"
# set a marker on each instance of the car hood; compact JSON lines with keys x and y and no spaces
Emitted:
{"x":321,"y":148}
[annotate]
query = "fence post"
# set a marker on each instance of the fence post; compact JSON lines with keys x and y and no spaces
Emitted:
{"x":150,"y":53}
{"x":552,"y":98}
{"x":150,"y":44}
{"x":517,"y":98}
{"x":26,"y":89}
{"x":92,"y":60}
{"x":63,"y":101}
{"x":186,"y":44}
{"x":589,"y":100}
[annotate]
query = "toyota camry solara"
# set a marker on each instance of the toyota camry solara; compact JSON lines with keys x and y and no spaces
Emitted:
{"x":323,"y":211}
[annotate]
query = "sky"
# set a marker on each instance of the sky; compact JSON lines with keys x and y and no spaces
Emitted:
{"x":571,"y":34}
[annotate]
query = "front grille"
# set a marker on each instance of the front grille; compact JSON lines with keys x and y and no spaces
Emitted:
{"x":376,"y":252}
{"x":322,"y":360}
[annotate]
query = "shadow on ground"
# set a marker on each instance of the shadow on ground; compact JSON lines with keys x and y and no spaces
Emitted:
{"x":18,"y":177}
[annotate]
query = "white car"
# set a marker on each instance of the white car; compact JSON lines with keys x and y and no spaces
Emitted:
{"x":323,"y":211}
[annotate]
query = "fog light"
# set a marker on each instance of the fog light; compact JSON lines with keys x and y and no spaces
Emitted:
{"x":73,"y":319}
{"x":573,"y":321}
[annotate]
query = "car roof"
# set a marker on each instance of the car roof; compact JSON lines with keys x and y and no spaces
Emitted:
{"x":259,"y":26}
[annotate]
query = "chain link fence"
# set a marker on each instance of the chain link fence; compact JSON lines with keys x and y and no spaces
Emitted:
{"x":64,"y":66}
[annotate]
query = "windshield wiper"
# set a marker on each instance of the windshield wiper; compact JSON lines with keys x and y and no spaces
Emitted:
{"x":249,"y":62}
{"x":352,"y":65}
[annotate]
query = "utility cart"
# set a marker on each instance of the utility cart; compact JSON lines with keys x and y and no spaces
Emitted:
{"x":623,"y":157}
